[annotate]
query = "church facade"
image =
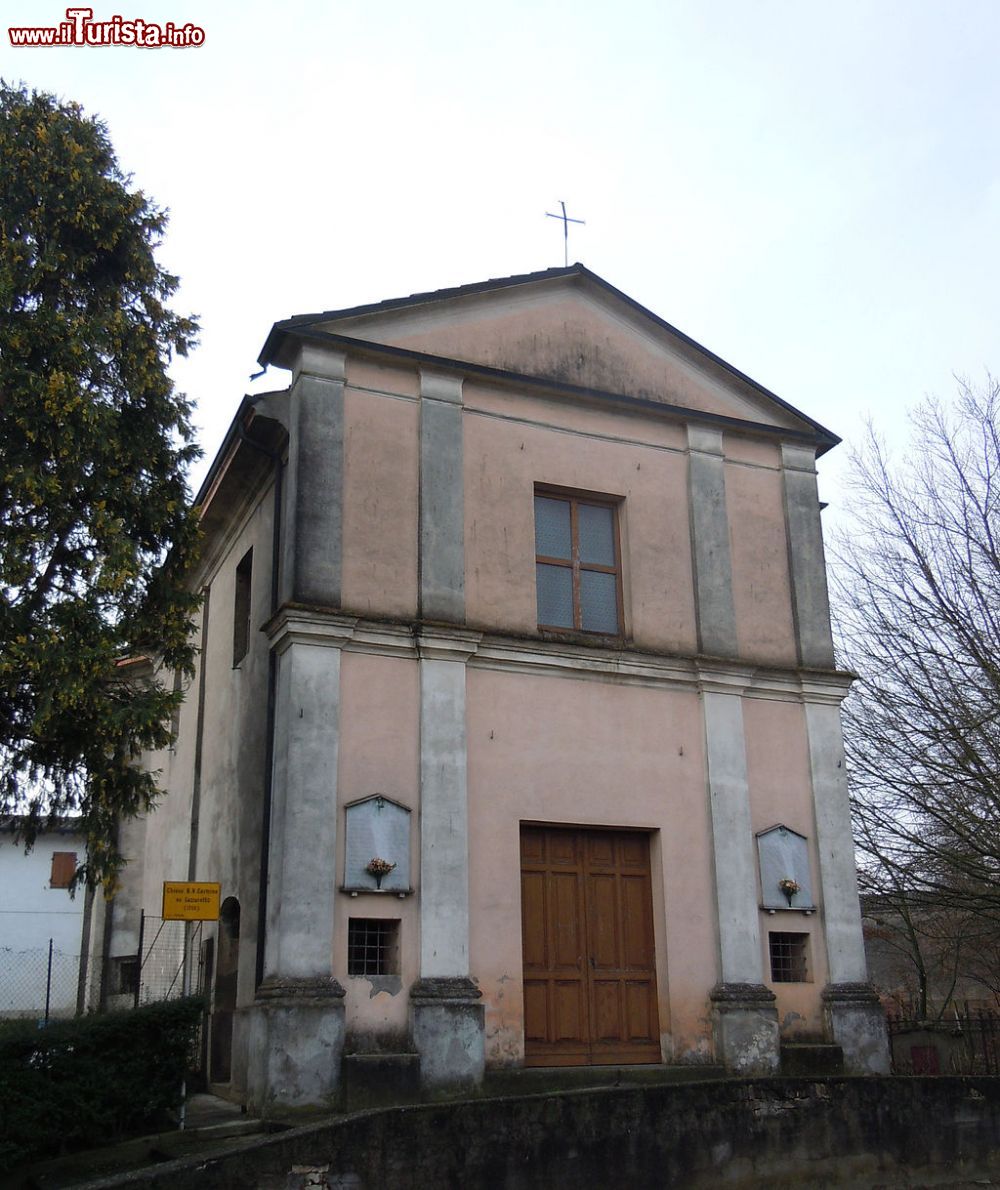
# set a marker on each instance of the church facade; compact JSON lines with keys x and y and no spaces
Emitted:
{"x":515,"y":737}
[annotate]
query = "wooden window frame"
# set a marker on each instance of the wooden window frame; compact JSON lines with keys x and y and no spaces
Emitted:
{"x":574,"y":498}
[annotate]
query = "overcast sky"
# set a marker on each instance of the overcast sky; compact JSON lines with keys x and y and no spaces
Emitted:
{"x":811,"y":191}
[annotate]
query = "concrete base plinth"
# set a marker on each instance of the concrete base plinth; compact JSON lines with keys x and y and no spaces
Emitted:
{"x":295,"y":1044}
{"x":448,"y":1026}
{"x":745,"y":1026}
{"x":855,"y":1020}
{"x":380,"y":1080}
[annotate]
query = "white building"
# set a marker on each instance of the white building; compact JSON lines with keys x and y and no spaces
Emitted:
{"x":38,"y":911}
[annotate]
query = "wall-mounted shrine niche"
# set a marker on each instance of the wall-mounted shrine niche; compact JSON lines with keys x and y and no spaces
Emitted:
{"x":785,"y":881}
{"x":377,"y":842}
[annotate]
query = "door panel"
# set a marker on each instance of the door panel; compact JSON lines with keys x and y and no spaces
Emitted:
{"x":536,"y":1011}
{"x":603,"y":922}
{"x":533,"y":918}
{"x":567,"y":945}
{"x":587,"y":922}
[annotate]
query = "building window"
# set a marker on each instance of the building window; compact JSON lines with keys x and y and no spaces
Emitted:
{"x":372,"y":946}
{"x":789,"y":958}
{"x":63,"y":869}
{"x":241,"y":608}
{"x":577,"y":568}
{"x":125,"y":975}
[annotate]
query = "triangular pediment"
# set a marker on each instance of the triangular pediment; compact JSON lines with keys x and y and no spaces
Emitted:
{"x":571,"y":327}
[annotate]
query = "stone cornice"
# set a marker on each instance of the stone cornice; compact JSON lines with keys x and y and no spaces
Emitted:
{"x":627,"y":667}
{"x":292,"y":624}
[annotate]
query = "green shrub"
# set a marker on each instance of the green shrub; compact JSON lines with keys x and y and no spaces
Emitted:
{"x":92,"y":1081}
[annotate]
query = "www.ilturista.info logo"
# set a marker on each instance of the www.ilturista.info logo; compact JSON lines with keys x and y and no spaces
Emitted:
{"x":80,"y":28}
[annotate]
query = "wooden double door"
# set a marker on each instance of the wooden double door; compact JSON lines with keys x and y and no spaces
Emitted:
{"x":589,"y":962}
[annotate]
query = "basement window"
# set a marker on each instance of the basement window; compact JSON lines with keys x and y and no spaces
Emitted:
{"x":789,"y":957}
{"x":241,"y":608}
{"x":125,"y":975}
{"x":372,"y":946}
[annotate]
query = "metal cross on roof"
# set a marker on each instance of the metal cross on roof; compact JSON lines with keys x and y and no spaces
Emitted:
{"x":566,"y":221}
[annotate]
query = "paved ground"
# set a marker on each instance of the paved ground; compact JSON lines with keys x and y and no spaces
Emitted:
{"x":210,"y":1123}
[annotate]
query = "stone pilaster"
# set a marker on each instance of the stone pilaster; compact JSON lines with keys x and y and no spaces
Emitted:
{"x":447,"y":1018}
{"x":806,"y":561}
{"x":856,"y":1022}
{"x":745,"y":1028}
{"x":312,"y":533}
{"x":448,"y":1032}
{"x":745,"y":1021}
{"x":854,"y":1017}
{"x":295,"y":1039}
{"x":296,"y":1032}
{"x":713,"y":577}
{"x":442,"y":508}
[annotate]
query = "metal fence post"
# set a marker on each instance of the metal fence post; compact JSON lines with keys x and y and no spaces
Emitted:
{"x":138,"y":957}
{"x":48,"y":984}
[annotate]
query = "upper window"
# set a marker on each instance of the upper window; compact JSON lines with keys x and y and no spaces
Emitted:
{"x":241,"y":607}
{"x":577,"y":568}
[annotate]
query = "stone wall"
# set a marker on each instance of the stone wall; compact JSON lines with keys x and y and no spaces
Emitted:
{"x":743,"y":1133}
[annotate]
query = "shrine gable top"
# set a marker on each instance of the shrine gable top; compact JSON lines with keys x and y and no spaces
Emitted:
{"x":566,"y":327}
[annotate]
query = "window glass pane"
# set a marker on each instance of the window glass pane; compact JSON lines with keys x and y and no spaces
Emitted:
{"x":552,"y":531}
{"x":595,"y":526}
{"x":598,"y":601}
{"x":555,"y":595}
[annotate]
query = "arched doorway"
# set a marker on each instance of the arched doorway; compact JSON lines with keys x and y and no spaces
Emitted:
{"x":224,"y":1002}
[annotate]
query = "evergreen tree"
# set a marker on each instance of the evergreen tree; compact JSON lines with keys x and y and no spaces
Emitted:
{"x":96,"y":527}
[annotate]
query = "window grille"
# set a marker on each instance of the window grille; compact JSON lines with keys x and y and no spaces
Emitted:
{"x":371,"y":946}
{"x":788,"y":958}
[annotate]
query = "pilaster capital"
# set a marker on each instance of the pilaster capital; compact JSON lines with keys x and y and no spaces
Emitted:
{"x":704,"y":439}
{"x":795,"y":457}
{"x":439,"y":386}
{"x":319,"y":361}
{"x":721,"y":678}
{"x":442,"y":644}
{"x":828,"y":688}
{"x":295,"y":625}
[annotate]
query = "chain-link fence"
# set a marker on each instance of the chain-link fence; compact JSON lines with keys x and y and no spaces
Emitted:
{"x":39,"y":983}
{"x":44,"y":982}
{"x":163,"y":945}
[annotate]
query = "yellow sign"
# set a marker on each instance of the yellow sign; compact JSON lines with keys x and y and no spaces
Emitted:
{"x":190,"y":902}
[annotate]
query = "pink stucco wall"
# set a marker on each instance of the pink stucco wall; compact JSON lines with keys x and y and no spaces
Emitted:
{"x":379,"y":753}
{"x":381,"y":456}
{"x":562,"y":751}
{"x":781,"y":792}
{"x":505,"y":459}
{"x":762,"y":596}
